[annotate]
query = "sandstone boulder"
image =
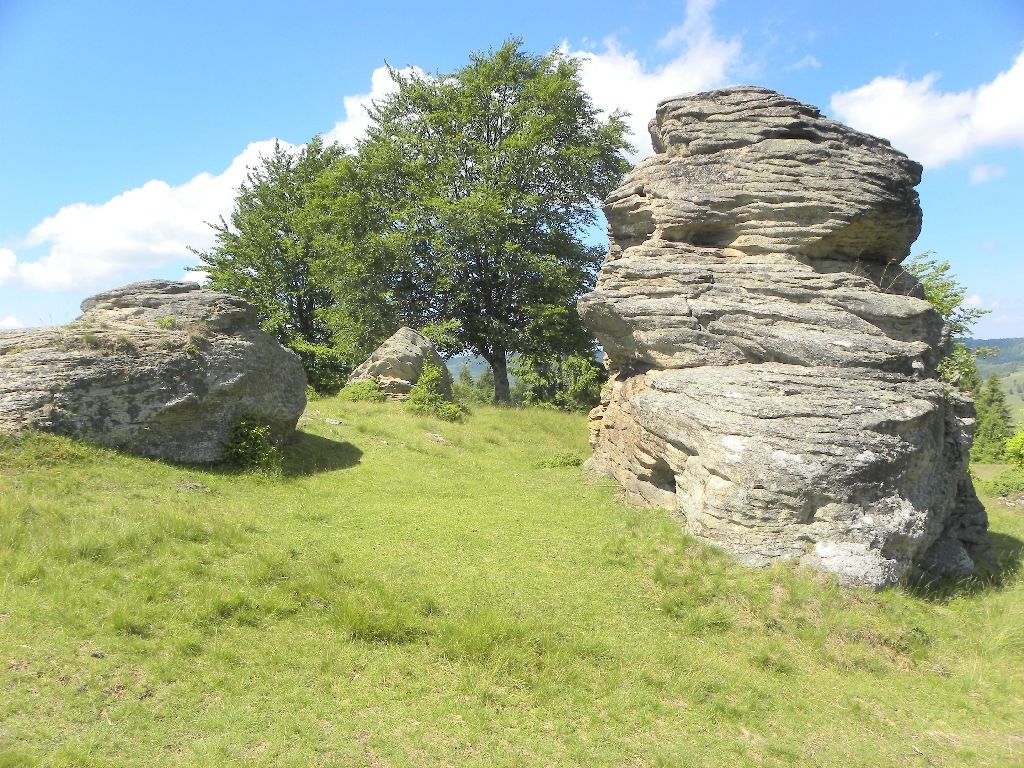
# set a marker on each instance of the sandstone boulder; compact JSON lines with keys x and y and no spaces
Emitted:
{"x":158,"y":368}
{"x":397,"y":363}
{"x":773,"y":365}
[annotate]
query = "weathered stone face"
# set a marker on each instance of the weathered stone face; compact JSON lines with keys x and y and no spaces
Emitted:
{"x":397,"y":364}
{"x":774,"y":366}
{"x":158,"y":368}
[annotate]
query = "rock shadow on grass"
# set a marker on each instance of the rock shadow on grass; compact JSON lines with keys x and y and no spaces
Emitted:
{"x":1008,"y":553}
{"x":310,"y":454}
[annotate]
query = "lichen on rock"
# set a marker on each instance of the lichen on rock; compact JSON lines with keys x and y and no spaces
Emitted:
{"x":158,"y":368}
{"x":774,"y":367}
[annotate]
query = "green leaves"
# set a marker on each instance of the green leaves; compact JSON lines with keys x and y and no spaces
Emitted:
{"x":489,"y":177}
{"x":948,"y":296}
{"x":463,"y":209}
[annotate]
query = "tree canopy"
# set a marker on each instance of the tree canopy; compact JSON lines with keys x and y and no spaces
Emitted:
{"x":488,"y":179}
{"x":273,"y":252}
{"x":949,"y":297}
{"x":463,"y":212}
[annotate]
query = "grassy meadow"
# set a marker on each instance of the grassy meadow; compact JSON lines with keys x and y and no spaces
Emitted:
{"x":416,"y":593}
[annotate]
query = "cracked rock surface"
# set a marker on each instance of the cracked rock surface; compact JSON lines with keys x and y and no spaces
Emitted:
{"x":158,"y":368}
{"x":773,"y":365}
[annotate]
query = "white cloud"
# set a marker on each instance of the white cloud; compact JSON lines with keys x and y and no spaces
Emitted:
{"x":195,"y":276}
{"x":346,"y":132}
{"x":10,"y":322}
{"x":8,"y":263}
{"x":810,"y":61}
{"x":618,"y":79}
{"x":984,"y":172}
{"x":937,"y":127}
{"x":89,"y":246}
{"x":974,"y":300}
{"x":144,"y":228}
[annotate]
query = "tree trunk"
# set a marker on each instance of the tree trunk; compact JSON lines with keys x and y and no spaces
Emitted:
{"x":499,"y":367}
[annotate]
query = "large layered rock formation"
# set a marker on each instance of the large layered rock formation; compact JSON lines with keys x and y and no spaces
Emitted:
{"x":158,"y":368}
{"x":773,"y":365}
{"x":397,"y":364}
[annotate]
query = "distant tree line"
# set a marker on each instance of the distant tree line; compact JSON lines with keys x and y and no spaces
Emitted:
{"x":994,"y":423}
{"x":461,"y":213}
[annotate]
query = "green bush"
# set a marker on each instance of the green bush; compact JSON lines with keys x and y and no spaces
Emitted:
{"x":568,"y":382}
{"x":561,"y":459}
{"x":1007,"y":483}
{"x":427,"y":396}
{"x":249,"y":446}
{"x":1014,"y":450}
{"x":367,"y":391}
{"x":326,"y":366}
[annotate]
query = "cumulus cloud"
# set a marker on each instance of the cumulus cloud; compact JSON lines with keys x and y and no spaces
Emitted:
{"x":984,"y":172}
{"x":143,"y":228}
{"x":8,"y":264}
{"x":933,"y":126}
{"x":618,"y":79}
{"x":10,"y":322}
{"x":195,"y":276}
{"x":357,"y":119}
{"x":87,"y":246}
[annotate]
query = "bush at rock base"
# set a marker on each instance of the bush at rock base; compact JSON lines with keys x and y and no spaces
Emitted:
{"x":367,"y":391}
{"x":427,"y":397}
{"x":249,"y":446}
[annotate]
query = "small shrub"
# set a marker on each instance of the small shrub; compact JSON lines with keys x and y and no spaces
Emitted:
{"x":474,"y":391}
{"x":326,"y":366}
{"x":167,"y":322}
{"x":568,"y":382}
{"x":1014,"y":450}
{"x":122,"y":344}
{"x":367,"y":391}
{"x":249,"y":446}
{"x":561,"y":459}
{"x":427,"y":396}
{"x":1007,"y":483}
{"x":90,"y":340}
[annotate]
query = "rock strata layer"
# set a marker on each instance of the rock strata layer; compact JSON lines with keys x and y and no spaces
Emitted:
{"x":158,"y":368}
{"x":397,"y":364}
{"x":774,"y":367}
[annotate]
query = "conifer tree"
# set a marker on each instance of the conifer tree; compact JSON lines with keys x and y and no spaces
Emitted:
{"x":994,"y":422}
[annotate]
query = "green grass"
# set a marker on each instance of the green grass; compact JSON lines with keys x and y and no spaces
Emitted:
{"x":1013,"y":385}
{"x":410,"y":592}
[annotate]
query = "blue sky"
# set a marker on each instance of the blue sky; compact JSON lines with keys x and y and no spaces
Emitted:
{"x":125,"y":126}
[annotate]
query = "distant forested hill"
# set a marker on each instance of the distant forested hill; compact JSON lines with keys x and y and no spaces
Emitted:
{"x":1008,"y":365}
{"x":477,"y":365}
{"x":1009,"y":358}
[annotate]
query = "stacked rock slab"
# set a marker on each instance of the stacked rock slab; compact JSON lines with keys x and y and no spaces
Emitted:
{"x":773,"y":366}
{"x":397,"y":364}
{"x":158,"y":368}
